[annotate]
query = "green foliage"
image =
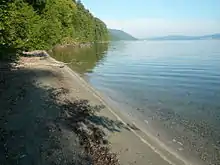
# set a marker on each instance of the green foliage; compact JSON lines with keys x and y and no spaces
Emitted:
{"x":117,"y":35}
{"x":41,"y":24}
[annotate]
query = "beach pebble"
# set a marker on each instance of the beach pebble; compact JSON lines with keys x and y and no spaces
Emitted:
{"x":22,"y":156}
{"x":180,"y":143}
{"x":146,"y":121}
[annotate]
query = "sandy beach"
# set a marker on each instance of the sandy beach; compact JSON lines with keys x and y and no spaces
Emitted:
{"x":125,"y":138}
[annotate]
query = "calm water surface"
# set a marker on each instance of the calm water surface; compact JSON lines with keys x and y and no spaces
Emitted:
{"x":173,"y":86}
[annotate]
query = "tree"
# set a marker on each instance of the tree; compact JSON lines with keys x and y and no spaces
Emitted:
{"x":40,"y":24}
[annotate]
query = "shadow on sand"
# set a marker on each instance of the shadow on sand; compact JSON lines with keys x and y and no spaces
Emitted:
{"x":40,"y":126}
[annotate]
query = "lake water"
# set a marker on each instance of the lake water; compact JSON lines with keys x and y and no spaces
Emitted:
{"x":173,"y":86}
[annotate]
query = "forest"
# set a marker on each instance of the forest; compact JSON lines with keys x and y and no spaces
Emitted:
{"x":40,"y":24}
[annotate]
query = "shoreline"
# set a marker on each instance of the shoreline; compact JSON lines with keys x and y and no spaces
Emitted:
{"x":177,"y":135}
{"x":155,"y":132}
{"x":144,"y":147}
{"x":142,"y":135}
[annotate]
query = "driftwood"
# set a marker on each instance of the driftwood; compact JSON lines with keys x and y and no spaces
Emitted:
{"x":36,"y":53}
{"x":43,"y":53}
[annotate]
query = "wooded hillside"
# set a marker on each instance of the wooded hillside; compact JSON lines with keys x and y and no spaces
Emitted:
{"x":40,"y":24}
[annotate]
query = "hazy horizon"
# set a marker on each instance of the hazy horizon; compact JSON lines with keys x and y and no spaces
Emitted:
{"x":166,"y":35}
{"x":145,"y":18}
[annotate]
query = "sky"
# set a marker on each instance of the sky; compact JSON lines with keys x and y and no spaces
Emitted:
{"x":151,"y":18}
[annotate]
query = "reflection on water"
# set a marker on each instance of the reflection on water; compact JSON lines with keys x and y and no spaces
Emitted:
{"x":173,"y":85}
{"x":83,"y":59}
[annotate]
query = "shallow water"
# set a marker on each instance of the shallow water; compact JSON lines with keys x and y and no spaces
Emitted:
{"x":173,"y":85}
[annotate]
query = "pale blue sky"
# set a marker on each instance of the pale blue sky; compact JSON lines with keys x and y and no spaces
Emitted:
{"x":145,"y":18}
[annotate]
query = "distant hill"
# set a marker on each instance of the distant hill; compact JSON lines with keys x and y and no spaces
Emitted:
{"x":180,"y":37}
{"x":117,"y":35}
